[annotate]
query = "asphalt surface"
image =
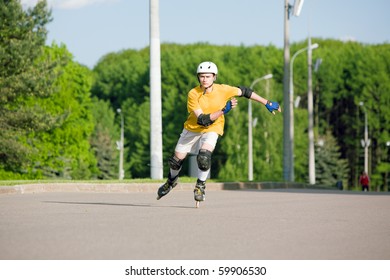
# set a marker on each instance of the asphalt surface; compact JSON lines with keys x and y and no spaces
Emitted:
{"x":239,"y":224}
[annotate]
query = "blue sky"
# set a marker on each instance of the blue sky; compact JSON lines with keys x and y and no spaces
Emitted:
{"x":93,"y":28}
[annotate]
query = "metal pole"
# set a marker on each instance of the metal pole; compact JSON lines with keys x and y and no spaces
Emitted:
{"x":156,"y":163}
{"x":366,"y":143}
{"x":250,"y":143}
{"x":250,"y":126}
{"x":312,"y":175}
{"x":288,"y":159}
{"x":291,"y":108}
{"x":309,"y":47}
{"x":121,"y":170}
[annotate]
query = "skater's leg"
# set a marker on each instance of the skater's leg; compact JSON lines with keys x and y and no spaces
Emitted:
{"x":203,"y":175}
{"x":184,"y":146}
{"x":204,"y":164}
{"x":208,"y":142}
{"x":175,"y":164}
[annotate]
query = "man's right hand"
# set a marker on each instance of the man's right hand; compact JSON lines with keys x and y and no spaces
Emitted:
{"x":231,"y":104}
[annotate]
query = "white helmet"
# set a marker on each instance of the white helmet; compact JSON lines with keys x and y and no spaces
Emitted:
{"x":207,"y":67}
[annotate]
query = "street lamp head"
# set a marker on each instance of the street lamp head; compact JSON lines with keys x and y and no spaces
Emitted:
{"x":361,"y":103}
{"x":297,"y":7}
{"x":119,"y":110}
{"x":269,"y":76}
{"x":314,"y":46}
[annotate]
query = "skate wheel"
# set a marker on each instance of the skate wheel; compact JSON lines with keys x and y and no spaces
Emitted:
{"x":197,"y":203}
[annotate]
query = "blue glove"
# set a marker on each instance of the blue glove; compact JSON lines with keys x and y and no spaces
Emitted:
{"x":227,"y":107}
{"x":272,"y":106}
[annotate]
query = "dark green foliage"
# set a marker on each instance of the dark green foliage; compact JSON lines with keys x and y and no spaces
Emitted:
{"x":64,"y":150}
{"x":330,"y":168}
{"x":103,"y":139}
{"x":25,"y":73}
{"x":122,"y":76}
{"x":137,"y":139}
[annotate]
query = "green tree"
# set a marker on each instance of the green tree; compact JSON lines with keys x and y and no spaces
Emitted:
{"x":25,"y":73}
{"x":137,"y":139}
{"x":372,"y":87}
{"x":103,"y":139}
{"x":64,"y":151}
{"x":330,"y":167}
{"x":120,"y":76}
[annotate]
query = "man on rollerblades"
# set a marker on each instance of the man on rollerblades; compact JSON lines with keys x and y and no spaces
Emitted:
{"x":207,"y":105}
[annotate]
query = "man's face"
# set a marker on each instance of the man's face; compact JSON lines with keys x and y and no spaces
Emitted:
{"x":206,"y":79}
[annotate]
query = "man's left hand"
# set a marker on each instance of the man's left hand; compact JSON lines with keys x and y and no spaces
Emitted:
{"x":273,"y":106}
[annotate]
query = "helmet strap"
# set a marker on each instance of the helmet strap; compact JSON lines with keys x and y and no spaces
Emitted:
{"x":204,"y":92}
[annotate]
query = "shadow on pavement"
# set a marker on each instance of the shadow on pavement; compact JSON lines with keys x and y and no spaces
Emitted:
{"x":116,"y":204}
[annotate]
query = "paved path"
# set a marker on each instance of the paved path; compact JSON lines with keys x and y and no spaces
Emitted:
{"x":266,"y":224}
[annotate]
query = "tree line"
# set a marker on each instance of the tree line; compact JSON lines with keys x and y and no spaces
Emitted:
{"x":58,"y":118}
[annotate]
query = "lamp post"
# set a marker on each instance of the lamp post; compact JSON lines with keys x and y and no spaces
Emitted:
{"x":250,"y":126}
{"x":288,"y":159}
{"x":291,"y":100}
{"x":312,"y":171}
{"x":156,"y":146}
{"x":313,"y":46}
{"x":120,"y":147}
{"x":365,"y":142}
